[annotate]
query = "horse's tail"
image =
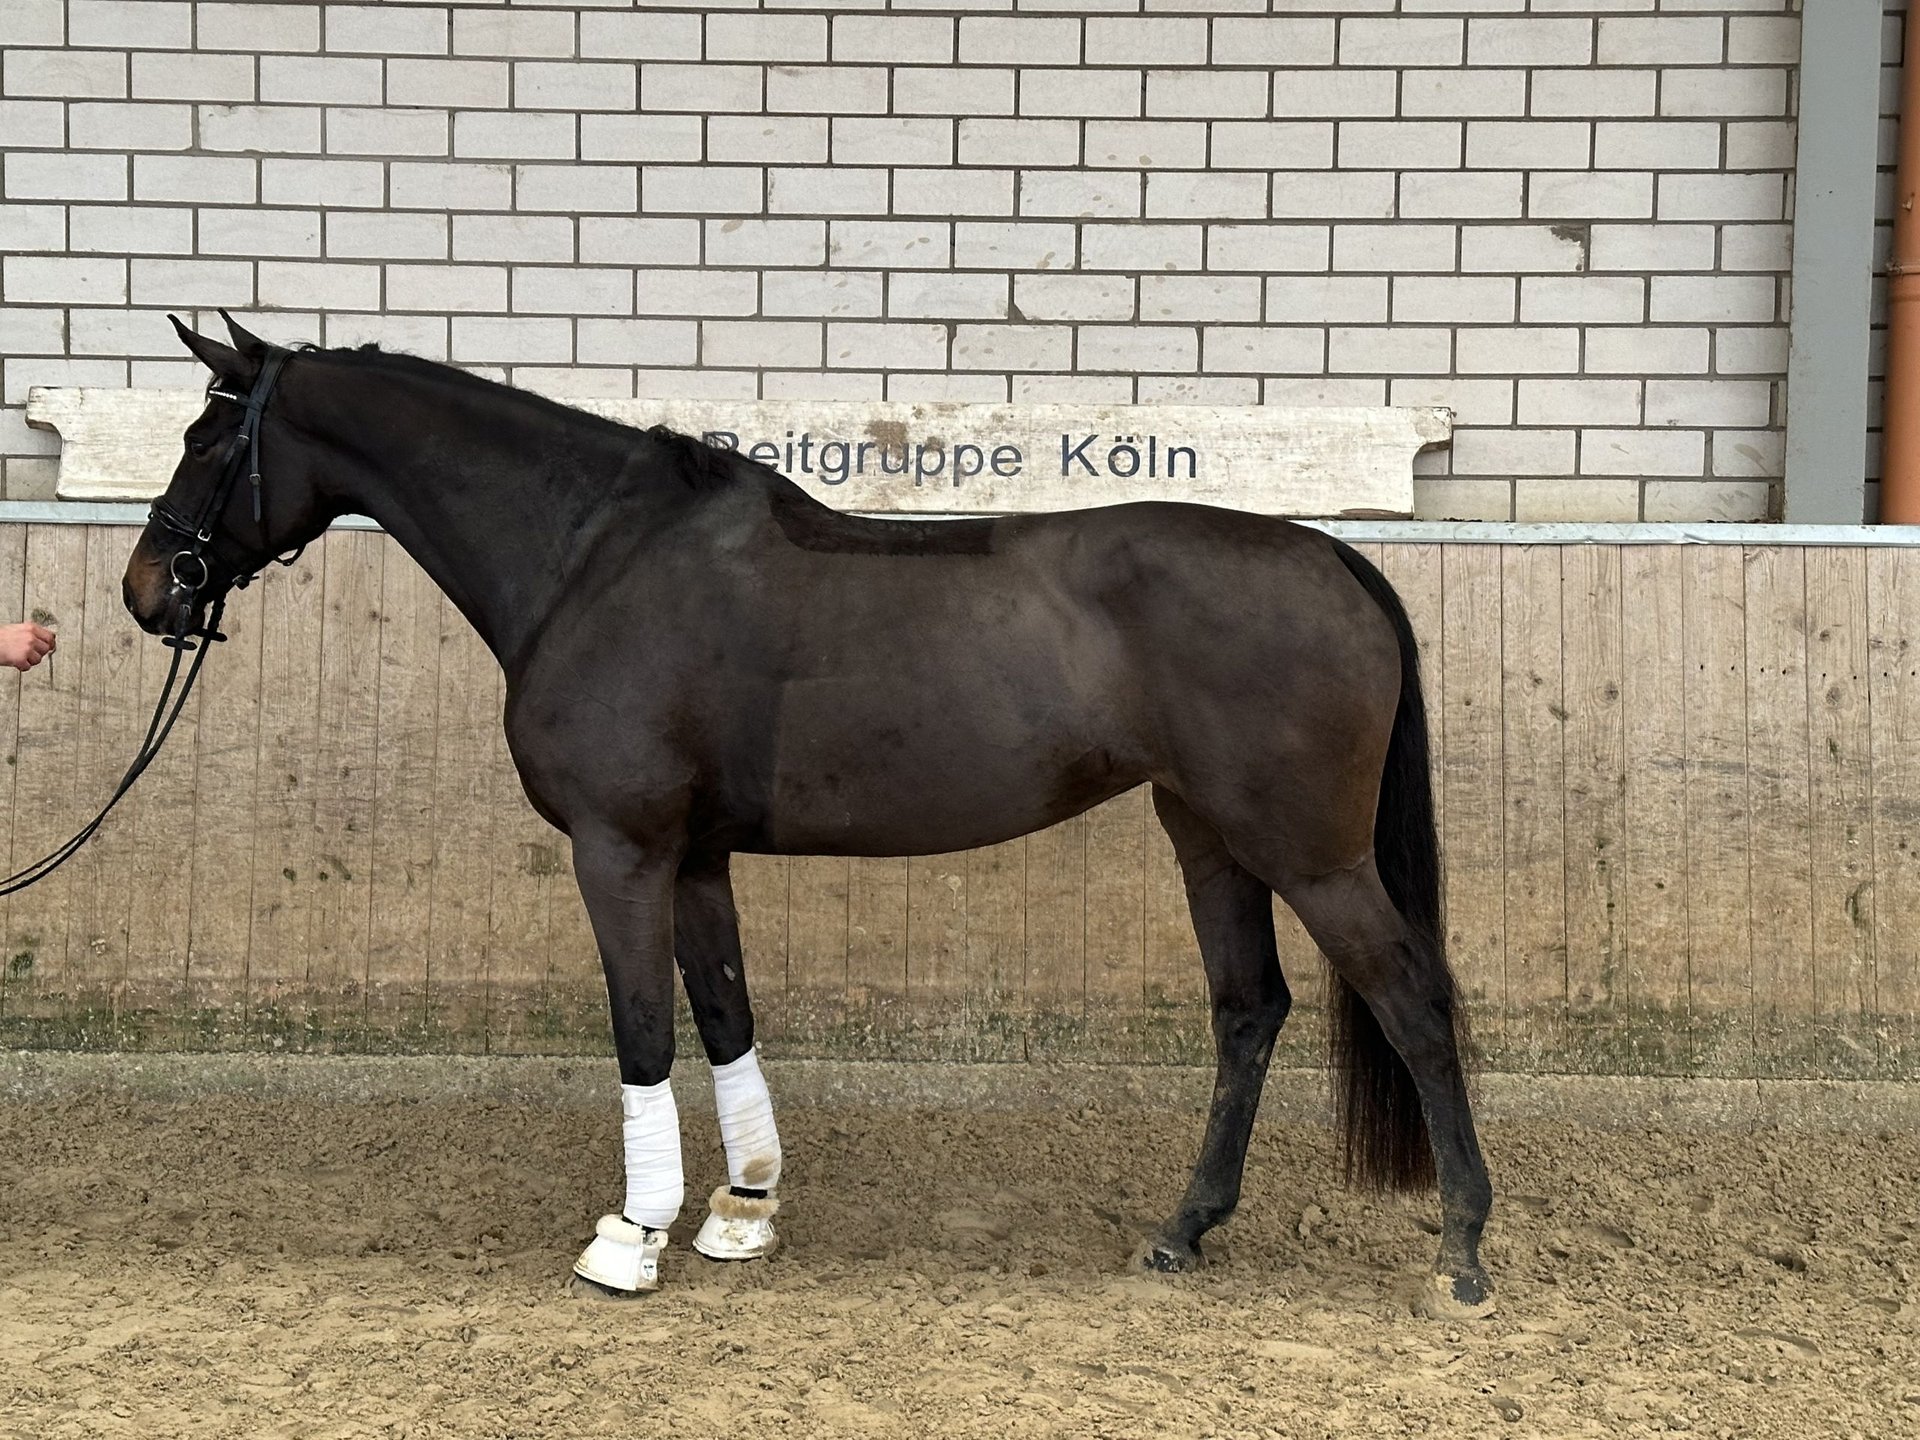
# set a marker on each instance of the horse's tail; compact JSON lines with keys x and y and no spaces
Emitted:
{"x":1378,"y":1106}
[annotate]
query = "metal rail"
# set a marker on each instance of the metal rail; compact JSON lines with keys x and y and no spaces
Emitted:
{"x":1392,"y":532}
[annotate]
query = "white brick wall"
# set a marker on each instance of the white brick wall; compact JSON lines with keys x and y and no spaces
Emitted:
{"x":1567,"y":219}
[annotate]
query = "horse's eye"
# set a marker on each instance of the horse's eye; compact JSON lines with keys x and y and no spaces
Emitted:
{"x":198,"y":448}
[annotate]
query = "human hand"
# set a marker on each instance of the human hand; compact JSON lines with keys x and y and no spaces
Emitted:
{"x":23,"y":646}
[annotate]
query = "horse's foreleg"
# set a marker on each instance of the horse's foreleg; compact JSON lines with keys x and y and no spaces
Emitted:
{"x":1233,"y":921}
{"x":739,"y":1225}
{"x":628,"y":890}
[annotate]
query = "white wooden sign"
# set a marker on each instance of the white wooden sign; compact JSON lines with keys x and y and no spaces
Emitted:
{"x":920,"y":459}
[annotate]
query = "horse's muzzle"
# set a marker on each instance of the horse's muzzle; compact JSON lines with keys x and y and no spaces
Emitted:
{"x":148,"y":592}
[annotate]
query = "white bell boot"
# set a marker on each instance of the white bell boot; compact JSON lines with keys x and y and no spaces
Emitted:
{"x":623,"y":1258}
{"x":738,"y":1227}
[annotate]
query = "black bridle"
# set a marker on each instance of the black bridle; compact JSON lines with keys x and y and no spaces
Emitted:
{"x":201,"y":534}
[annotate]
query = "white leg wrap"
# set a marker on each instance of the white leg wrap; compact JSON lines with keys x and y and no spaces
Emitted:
{"x":651,"y":1130}
{"x":746,"y":1123}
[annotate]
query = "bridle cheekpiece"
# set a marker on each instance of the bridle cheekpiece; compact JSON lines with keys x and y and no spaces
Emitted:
{"x":188,"y":569}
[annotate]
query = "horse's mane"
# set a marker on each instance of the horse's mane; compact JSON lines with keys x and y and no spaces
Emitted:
{"x":699,"y":463}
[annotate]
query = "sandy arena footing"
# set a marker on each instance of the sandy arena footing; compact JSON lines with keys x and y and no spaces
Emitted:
{"x":327,"y":1249}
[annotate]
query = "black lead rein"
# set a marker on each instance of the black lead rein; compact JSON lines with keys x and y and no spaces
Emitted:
{"x":244,"y":449}
{"x":157,"y":732}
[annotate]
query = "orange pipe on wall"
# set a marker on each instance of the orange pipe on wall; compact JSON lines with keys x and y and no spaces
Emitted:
{"x":1900,"y":409}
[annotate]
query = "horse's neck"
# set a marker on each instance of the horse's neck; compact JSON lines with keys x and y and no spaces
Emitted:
{"x":499,"y":524}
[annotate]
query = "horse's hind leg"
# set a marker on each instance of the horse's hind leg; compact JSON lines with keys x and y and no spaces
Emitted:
{"x":1370,"y":946}
{"x":739,"y":1225}
{"x":1233,"y":920}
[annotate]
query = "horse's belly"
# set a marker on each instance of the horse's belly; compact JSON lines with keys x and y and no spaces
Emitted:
{"x":871,"y":766}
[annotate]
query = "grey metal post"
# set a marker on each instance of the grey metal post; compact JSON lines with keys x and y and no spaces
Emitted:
{"x":1832,"y":262}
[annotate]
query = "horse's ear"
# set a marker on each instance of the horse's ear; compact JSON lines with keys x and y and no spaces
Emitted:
{"x":250,"y":345}
{"x":227,"y":365}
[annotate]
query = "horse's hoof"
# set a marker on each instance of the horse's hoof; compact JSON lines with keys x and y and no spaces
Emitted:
{"x":738,"y":1227}
{"x":581,"y":1288}
{"x":1168,"y":1257}
{"x":623,"y":1259}
{"x":1468,"y":1296}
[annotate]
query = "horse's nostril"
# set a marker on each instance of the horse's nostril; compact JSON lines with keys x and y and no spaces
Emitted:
{"x":134,"y":595}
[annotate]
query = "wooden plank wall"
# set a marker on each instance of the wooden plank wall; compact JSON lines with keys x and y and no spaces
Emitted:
{"x":1679,"y":795}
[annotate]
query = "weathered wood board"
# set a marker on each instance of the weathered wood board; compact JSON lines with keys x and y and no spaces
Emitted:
{"x":937,"y":458}
{"x":1676,"y":783}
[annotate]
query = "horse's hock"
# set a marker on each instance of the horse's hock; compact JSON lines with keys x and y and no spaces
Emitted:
{"x":1672,"y":783}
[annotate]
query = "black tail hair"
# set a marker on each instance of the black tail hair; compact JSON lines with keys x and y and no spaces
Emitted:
{"x":1377,"y":1107}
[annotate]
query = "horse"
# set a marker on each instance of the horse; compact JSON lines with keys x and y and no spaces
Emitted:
{"x":703,"y":660}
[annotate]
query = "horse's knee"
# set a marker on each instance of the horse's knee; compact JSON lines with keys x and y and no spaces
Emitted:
{"x":648,"y":1069}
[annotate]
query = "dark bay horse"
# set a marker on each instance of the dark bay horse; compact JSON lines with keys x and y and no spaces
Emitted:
{"x":701,"y":659}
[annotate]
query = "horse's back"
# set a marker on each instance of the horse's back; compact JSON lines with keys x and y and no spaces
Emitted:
{"x":1105,"y":598}
{"x":1023,"y":668}
{"x":850,"y":685}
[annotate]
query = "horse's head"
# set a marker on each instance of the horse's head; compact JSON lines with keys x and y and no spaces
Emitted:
{"x":242,"y":493}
